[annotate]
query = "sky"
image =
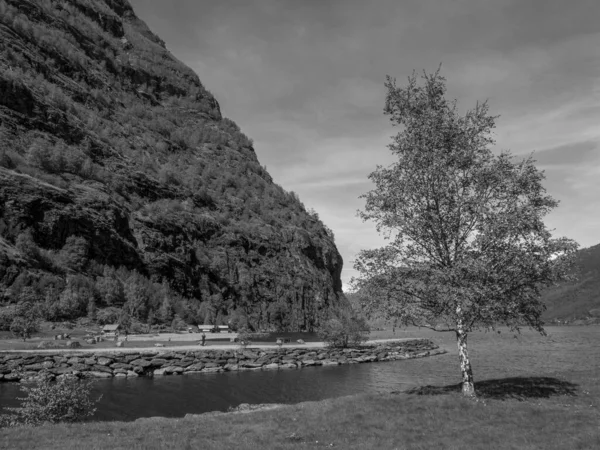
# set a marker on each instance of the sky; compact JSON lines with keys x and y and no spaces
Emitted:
{"x":305,"y":80}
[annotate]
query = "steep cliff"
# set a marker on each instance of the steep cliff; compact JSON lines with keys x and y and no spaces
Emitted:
{"x":122,"y":186}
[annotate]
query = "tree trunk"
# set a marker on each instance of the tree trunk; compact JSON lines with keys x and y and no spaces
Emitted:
{"x":468,"y":386}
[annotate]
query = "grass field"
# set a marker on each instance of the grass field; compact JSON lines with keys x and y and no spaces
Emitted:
{"x":554,"y":406}
{"x":513,"y":414}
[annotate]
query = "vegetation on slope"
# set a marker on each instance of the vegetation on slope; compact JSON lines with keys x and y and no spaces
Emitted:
{"x":579,"y":300}
{"x":123,"y":191}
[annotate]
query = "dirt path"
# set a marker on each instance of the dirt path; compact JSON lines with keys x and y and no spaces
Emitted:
{"x":153,"y":350}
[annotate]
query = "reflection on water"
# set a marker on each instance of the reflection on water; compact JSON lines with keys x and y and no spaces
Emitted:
{"x":493,"y":356}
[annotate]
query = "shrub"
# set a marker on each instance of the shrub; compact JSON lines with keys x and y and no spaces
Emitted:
{"x":7,"y":315}
{"x":344,"y":331}
{"x":25,"y":319}
{"x":65,"y":400}
{"x":244,"y":337}
{"x":23,"y":326}
{"x":108,"y":315}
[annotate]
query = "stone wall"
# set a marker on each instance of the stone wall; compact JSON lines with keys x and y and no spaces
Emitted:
{"x":17,"y":366}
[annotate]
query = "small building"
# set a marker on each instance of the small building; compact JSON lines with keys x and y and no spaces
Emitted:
{"x":111,"y":330}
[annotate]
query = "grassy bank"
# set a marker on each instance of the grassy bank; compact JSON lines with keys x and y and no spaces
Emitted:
{"x":514,"y":413}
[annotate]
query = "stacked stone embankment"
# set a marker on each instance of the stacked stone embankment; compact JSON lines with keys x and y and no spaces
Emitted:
{"x":24,"y":366}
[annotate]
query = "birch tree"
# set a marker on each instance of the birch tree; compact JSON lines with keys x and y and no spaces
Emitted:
{"x":468,"y":248}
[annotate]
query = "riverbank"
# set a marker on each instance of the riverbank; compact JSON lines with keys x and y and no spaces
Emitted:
{"x":538,"y":420}
{"x":131,"y":363}
{"x":538,"y":392}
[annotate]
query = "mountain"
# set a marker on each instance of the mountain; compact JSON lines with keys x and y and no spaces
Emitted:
{"x":580,"y":299}
{"x":125,"y":193}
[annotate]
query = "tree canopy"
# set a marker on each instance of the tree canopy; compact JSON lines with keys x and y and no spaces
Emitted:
{"x":468,"y":247}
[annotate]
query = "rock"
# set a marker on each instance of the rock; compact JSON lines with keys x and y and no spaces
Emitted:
{"x":90,"y":341}
{"x":195,"y":367}
{"x":251,"y":365}
{"x":212,"y":369}
{"x":300,"y":341}
{"x":120,"y":375}
{"x":120,"y":344}
{"x":73,"y":344}
{"x":141,"y":363}
{"x":12,"y":377}
{"x":308,"y":362}
{"x":99,"y":368}
{"x":160,"y":372}
{"x":176,"y":370}
{"x":288,"y":366}
{"x":104,"y":361}
{"x":38,"y":366}
{"x":96,"y":374}
{"x":121,"y":366}
{"x":272,"y":366}
{"x":329,"y":362}
{"x":158,"y":344}
{"x":89,"y":361}
{"x":131,"y":374}
{"x":158,"y":362}
{"x":186,"y":363}
{"x":61,"y":370}
{"x":171,"y":355}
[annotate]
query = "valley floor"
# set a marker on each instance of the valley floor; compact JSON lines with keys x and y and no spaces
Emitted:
{"x":525,"y":413}
{"x":534,"y":393}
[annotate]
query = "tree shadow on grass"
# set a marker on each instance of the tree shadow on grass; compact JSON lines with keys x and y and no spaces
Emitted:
{"x":517,"y":388}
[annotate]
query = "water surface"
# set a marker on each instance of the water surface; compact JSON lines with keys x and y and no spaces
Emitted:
{"x":493,"y":356}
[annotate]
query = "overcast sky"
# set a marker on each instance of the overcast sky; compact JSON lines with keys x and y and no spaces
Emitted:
{"x":305,"y":80}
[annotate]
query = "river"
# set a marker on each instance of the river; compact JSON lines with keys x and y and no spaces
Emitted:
{"x":493,"y":356}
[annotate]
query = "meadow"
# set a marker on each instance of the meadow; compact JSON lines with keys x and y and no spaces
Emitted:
{"x":534,"y":393}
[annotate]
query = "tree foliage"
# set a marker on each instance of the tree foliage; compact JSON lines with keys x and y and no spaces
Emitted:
{"x":344,"y":330}
{"x":65,"y":400}
{"x":468,"y":247}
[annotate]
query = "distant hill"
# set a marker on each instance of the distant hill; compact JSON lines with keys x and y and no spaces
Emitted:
{"x":576,"y":300}
{"x":125,"y":193}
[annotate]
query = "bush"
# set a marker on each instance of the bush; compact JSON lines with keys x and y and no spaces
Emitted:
{"x":344,"y":331}
{"x":7,"y":315}
{"x":24,"y":326}
{"x":108,"y":315}
{"x":244,"y":337}
{"x":65,"y":400}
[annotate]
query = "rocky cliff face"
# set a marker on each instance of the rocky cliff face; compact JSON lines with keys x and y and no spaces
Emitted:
{"x":117,"y":169}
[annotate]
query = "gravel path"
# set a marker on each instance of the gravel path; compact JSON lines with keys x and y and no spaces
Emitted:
{"x":153,"y":350}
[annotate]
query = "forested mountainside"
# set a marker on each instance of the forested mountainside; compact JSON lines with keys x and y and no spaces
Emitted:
{"x":581,"y":299}
{"x":125,"y":193}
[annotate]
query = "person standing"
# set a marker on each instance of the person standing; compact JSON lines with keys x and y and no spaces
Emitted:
{"x":203,"y":339}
